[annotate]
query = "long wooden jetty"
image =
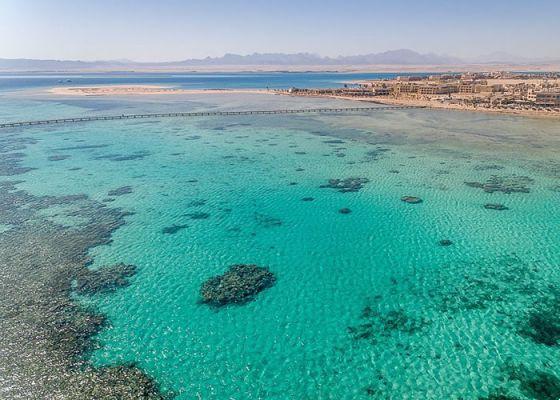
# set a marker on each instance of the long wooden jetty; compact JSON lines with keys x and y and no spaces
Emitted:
{"x":198,"y":114}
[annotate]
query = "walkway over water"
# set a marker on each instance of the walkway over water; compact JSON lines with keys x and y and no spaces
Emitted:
{"x":199,"y":114}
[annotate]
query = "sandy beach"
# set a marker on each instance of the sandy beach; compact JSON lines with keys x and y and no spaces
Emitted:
{"x":441,"y":105}
{"x":139,"y":90}
{"x":120,"y":90}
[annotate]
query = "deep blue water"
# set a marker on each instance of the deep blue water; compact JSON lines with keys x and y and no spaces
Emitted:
{"x":273,"y":80}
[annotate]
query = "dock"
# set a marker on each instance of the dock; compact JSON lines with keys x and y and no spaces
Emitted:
{"x":200,"y":114}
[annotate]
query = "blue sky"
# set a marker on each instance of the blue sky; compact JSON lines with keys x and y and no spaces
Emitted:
{"x":173,"y":30}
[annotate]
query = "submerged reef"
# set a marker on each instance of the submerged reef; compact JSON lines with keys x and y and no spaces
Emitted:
{"x":344,"y":211}
{"x":82,"y":147}
{"x":411,"y":199}
{"x":535,"y":384}
{"x":46,"y":333}
{"x":120,"y":191}
{"x":197,"y":203}
{"x":104,"y":280}
{"x":445,"y":242}
{"x":487,"y":167}
{"x":505,"y":184}
{"x":376,"y":325}
{"x":375,"y":154}
{"x":171,"y":230}
{"x":520,"y":298}
{"x":346,"y":185}
{"x":267,"y":221}
{"x":198,"y":215}
{"x":542,"y":324}
{"x":240,"y":284}
{"x":499,"y":396}
{"x":10,"y":158}
{"x":124,"y":157}
{"x":495,"y":206}
{"x":57,"y":157}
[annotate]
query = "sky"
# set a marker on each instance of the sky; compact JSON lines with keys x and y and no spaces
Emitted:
{"x":170,"y":30}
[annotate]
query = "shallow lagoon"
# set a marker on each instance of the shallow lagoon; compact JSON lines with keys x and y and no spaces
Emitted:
{"x":366,"y":304}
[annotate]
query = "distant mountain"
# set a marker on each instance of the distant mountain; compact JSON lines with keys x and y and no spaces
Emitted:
{"x":27,"y":64}
{"x":402,"y":57}
{"x":393,"y":57}
{"x":500,"y":57}
{"x":399,"y":57}
{"x":258,"y":59}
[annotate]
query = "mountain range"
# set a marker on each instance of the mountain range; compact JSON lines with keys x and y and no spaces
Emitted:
{"x":402,"y":57}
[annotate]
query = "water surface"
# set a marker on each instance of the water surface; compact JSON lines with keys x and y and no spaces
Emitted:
{"x":366,"y":304}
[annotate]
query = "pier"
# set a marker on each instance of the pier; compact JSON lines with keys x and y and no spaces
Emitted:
{"x":200,"y":114}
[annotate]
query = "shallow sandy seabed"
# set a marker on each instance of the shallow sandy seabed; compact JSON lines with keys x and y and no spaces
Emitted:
{"x":118,"y":90}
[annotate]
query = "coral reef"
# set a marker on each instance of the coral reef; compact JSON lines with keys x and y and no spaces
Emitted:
{"x":375,"y":154}
{"x":198,"y":215}
{"x":267,"y":221}
{"x":120,"y":191}
{"x":171,"y":230}
{"x":124,"y":157}
{"x":543,"y":323}
{"x":495,"y":206}
{"x":411,"y":199}
{"x":346,"y":185}
{"x":378,"y":325}
{"x":238,"y":285}
{"x":538,"y":385}
{"x":58,"y":157}
{"x":45,"y":332}
{"x":104,"y":280}
{"x":10,"y":158}
{"x":505,"y":184}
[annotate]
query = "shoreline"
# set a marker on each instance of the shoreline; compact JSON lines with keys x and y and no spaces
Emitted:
{"x":427,"y":104}
{"x":143,"y":90}
{"x":552,"y":66}
{"x":135,"y":90}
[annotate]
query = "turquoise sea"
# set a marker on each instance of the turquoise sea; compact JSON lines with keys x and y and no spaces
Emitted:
{"x":367,"y":305}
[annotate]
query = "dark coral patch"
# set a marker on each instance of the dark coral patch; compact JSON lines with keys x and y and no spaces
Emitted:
{"x":375,"y":154}
{"x":171,"y":230}
{"x":346,"y":185}
{"x":58,"y":157}
{"x":198,"y":215}
{"x":505,"y":184}
{"x":267,"y":221}
{"x":196,"y":203}
{"x":495,"y":206}
{"x":120,"y":191}
{"x":124,"y":157}
{"x":543,"y":323}
{"x":378,"y":325}
{"x":539,"y":385}
{"x":239,"y":285}
{"x":104,"y":280}
{"x":411,"y":199}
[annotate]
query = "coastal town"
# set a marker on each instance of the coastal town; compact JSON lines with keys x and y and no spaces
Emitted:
{"x":536,"y":94}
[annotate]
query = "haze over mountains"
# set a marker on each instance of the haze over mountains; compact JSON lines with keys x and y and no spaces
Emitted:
{"x":403,"y":57}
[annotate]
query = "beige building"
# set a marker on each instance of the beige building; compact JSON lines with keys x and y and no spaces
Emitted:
{"x":548,"y":98}
{"x":438,"y":89}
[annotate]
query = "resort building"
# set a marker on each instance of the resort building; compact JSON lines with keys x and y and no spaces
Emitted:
{"x":548,"y":99}
{"x":437,"y":89}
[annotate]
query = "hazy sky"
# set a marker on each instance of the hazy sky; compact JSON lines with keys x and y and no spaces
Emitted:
{"x":173,"y":30}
